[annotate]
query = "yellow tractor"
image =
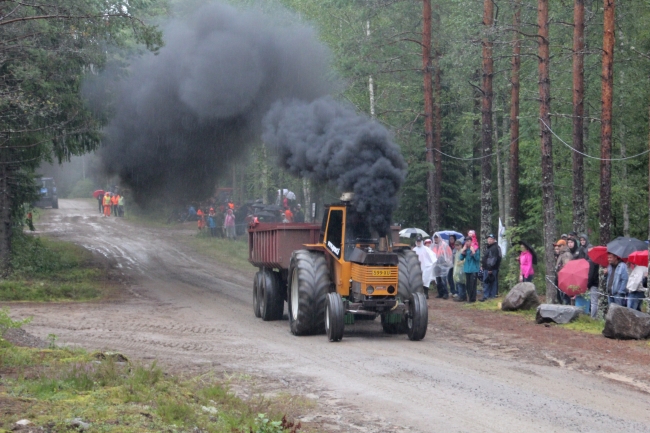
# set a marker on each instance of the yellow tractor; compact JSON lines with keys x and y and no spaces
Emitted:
{"x":348,"y":274}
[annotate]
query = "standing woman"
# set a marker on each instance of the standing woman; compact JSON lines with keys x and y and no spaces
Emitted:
{"x":527,"y":258}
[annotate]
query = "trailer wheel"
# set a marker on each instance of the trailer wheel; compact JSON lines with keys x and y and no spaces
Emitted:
{"x":270,"y":296}
{"x":410,"y":282}
{"x":334,"y":317}
{"x":55,"y":204}
{"x":256,"y":298}
{"x":418,"y":317}
{"x":309,"y":281}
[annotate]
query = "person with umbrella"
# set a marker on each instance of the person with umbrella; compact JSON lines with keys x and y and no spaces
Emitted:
{"x":563,"y":257}
{"x":527,"y":258}
{"x":616,"y":280}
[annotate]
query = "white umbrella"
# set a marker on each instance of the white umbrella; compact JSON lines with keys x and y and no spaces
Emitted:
{"x":405,"y":233}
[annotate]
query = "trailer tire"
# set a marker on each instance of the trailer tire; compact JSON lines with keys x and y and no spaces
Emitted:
{"x":270,"y":296}
{"x":409,"y":282}
{"x":334,"y":317}
{"x":418,"y":317}
{"x":55,"y":204}
{"x":309,"y":282}
{"x":256,"y":292}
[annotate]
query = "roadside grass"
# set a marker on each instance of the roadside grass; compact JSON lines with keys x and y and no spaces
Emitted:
{"x":53,"y":387}
{"x":231,"y":253}
{"x":583,"y":323}
{"x":51,"y":270}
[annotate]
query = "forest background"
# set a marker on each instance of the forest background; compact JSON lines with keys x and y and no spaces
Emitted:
{"x":377,"y":48}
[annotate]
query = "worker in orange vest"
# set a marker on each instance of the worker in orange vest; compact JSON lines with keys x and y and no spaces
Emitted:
{"x":114,"y":200}
{"x":288,"y":214}
{"x":201,"y":219}
{"x":107,"y":204}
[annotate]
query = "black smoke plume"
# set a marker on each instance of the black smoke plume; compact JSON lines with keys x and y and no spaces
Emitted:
{"x":328,"y":142}
{"x":183,"y":116}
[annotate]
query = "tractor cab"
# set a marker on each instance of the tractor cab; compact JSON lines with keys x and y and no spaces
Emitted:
{"x":362,"y":264}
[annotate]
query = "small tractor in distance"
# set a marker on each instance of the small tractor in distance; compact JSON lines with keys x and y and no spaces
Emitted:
{"x":335,"y":273}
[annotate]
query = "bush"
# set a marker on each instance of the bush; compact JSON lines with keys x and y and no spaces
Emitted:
{"x":6,"y":323}
{"x":82,"y":189}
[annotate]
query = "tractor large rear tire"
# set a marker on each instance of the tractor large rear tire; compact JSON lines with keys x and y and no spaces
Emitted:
{"x":418,"y":317}
{"x":410,"y":281}
{"x":309,"y":282}
{"x":270,"y":296}
{"x":334,"y":317}
{"x":256,"y":292}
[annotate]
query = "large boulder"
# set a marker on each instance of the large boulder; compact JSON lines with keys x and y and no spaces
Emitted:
{"x":626,"y":324}
{"x":521,"y":297}
{"x":557,"y":313}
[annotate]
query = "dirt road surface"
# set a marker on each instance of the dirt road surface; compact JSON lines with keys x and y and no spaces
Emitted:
{"x":474,"y":371}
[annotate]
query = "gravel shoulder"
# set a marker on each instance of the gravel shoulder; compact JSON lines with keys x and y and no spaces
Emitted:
{"x":476,"y":371}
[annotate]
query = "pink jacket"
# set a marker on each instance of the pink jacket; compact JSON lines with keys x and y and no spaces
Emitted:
{"x":526,"y":264}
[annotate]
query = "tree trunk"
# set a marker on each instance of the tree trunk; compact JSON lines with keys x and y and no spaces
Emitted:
{"x":626,"y":213}
{"x":306,"y":193}
{"x":548,"y":191}
{"x":265,"y":177}
{"x":579,"y":210}
{"x":514,"y":118}
{"x":428,"y":115}
{"x":486,"y":121}
{"x":437,"y":137}
{"x":371,"y":86}
{"x":500,"y":194}
{"x":606,"y":124}
{"x":649,"y":173}
{"x":5,"y":216}
{"x":505,"y":127}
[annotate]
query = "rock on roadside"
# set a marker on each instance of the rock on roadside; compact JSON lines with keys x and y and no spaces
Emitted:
{"x":521,"y":297}
{"x":560,"y":314}
{"x":625,"y":323}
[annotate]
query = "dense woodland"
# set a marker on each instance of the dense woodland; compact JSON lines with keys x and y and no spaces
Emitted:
{"x":464,"y":103}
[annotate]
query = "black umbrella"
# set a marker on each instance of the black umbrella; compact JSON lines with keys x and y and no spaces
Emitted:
{"x":623,"y":246}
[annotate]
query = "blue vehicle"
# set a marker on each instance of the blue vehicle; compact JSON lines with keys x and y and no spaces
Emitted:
{"x":48,"y":195}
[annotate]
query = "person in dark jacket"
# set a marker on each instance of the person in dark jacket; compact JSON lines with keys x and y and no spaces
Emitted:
{"x":575,"y":250}
{"x":298,"y":215}
{"x":583,"y":243}
{"x":592,"y":284}
{"x":490,"y":264}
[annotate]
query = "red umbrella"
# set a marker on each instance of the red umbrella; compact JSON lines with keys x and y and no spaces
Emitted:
{"x":639,"y":258}
{"x":598,"y":255}
{"x":572,"y":279}
{"x":98,"y":193}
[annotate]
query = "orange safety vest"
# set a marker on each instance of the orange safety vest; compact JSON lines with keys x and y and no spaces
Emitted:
{"x":114,"y":200}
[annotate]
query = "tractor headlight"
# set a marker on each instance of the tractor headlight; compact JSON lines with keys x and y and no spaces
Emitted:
{"x":391,"y":290}
{"x":370,"y":290}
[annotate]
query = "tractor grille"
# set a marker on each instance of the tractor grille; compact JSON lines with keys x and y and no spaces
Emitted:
{"x":375,"y":275}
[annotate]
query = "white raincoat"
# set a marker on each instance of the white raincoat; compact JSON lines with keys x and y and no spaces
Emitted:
{"x":444,"y":255}
{"x":427,"y":260}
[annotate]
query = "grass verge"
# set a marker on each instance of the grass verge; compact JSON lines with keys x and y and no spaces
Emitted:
{"x":231,"y":253}
{"x":60,"y":388}
{"x":583,"y":323}
{"x":51,"y":270}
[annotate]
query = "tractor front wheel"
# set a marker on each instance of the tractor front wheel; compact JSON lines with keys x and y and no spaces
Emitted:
{"x":334,"y":317}
{"x":417,"y":318}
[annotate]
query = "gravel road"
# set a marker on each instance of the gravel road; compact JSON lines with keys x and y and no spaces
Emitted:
{"x":186,"y":311}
